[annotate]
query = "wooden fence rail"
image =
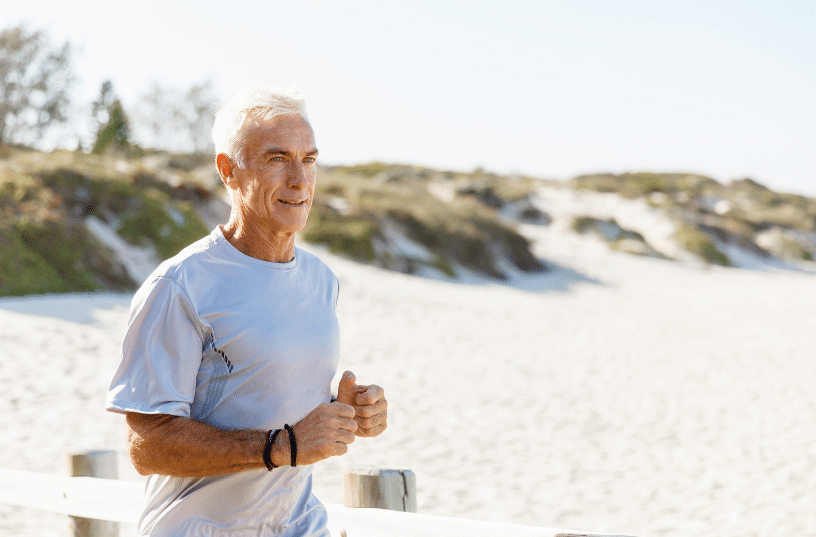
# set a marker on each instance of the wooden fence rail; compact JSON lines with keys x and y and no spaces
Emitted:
{"x":368,"y":493}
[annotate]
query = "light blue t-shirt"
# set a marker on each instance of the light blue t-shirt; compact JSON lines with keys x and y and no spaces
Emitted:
{"x":237,"y":343}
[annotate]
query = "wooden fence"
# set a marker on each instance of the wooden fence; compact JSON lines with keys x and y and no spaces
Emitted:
{"x":377,"y":503}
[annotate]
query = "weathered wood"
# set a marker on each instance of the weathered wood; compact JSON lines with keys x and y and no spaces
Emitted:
{"x":107,"y":499}
{"x":381,"y":488}
{"x":99,"y":464}
{"x":357,"y":522}
{"x":588,"y":535}
{"x":101,"y":499}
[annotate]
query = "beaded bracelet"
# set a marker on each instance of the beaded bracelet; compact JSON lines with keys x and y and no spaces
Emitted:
{"x":267,"y":453}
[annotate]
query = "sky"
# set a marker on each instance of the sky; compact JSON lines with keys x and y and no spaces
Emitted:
{"x":545,"y":88}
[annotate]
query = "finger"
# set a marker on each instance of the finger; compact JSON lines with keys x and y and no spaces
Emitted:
{"x":370,"y":395}
{"x":369,"y":433}
{"x":347,"y":388}
{"x":347,"y":424}
{"x":367,"y":411}
{"x":343,"y":436}
{"x":338,"y":448}
{"x":341,"y":410}
{"x":374,"y":421}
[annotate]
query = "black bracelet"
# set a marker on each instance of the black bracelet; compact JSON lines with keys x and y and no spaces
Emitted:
{"x":292,"y":444}
{"x":267,"y":453}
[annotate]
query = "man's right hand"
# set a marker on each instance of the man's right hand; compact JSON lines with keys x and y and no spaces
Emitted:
{"x":325,"y":432}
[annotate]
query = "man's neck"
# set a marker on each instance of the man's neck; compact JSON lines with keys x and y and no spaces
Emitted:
{"x":258,"y":242}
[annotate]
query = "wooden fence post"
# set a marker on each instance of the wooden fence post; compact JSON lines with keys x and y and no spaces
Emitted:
{"x":93,"y":464}
{"x":383,"y":488}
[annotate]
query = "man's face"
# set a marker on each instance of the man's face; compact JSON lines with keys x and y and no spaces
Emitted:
{"x":276,"y":187}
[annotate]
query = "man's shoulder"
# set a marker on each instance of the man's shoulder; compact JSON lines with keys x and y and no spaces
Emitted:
{"x":198,"y":253}
{"x":311,"y":262}
{"x":185,"y":274}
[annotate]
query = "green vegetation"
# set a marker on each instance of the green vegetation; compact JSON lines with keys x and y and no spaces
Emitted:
{"x":609,"y":229}
{"x":636,"y":185}
{"x":36,"y":79}
{"x":790,"y":249}
{"x":115,"y":134}
{"x":370,"y":169}
{"x":23,"y":271}
{"x":148,"y":214}
{"x":439,"y":264}
{"x":451,"y":240}
{"x":456,"y":218}
{"x":113,"y":127}
{"x":461,"y":232}
{"x":783,"y":214}
{"x":624,"y":240}
{"x":46,"y":257}
{"x":352,"y":236}
{"x":157,"y":222}
{"x":698,"y":243}
{"x":750,"y":201}
{"x":44,"y":199}
{"x":734,"y":213}
{"x":584,"y":224}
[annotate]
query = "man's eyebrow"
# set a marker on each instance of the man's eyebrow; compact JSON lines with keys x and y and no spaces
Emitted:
{"x":285,"y":152}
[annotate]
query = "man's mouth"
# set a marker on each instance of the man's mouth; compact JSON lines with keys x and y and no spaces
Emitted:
{"x":293,"y":202}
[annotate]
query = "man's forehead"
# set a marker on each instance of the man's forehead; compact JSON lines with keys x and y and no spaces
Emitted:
{"x":282,"y":122}
{"x":289,"y":131}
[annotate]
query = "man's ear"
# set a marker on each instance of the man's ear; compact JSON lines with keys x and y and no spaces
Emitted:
{"x":225,"y":166}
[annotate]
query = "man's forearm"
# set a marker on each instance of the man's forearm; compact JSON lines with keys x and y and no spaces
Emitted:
{"x":177,"y":446}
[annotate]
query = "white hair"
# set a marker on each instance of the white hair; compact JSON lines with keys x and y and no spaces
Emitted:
{"x":255,"y":102}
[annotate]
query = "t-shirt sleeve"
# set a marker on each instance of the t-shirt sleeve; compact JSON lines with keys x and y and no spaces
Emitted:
{"x":161,"y":353}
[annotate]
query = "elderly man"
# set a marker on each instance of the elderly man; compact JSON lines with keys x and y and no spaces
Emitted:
{"x":232,"y":345}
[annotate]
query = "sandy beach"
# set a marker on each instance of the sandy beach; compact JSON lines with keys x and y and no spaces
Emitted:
{"x":615,"y":393}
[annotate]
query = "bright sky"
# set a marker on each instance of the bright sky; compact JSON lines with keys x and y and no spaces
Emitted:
{"x":548,"y":88}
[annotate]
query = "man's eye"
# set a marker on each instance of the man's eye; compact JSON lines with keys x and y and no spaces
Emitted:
{"x":276,"y":159}
{"x":309,"y":160}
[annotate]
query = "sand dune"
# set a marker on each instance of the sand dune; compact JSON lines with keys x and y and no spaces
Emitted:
{"x":621,"y":394}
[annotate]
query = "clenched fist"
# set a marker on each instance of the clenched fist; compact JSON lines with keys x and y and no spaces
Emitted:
{"x":325,"y":432}
{"x":369,"y":404}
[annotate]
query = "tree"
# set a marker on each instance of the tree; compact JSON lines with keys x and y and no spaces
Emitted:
{"x":179,"y":120}
{"x":113,"y":127}
{"x":35,"y":84}
{"x":154,"y":115}
{"x":198,"y":111}
{"x":100,"y":108}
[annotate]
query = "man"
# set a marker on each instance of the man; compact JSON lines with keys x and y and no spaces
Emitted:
{"x":232,"y":345}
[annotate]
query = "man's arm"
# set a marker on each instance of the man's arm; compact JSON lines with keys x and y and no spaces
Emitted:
{"x":178,"y":446}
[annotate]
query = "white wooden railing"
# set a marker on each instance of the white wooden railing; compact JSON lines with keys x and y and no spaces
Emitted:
{"x":382,"y":494}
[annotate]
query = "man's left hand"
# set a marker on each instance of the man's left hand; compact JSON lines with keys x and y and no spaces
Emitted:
{"x":370,"y":406}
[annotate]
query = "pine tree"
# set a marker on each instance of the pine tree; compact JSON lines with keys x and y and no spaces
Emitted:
{"x":114,"y":128}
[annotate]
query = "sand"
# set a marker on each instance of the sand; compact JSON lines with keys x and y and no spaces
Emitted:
{"x":615,"y":393}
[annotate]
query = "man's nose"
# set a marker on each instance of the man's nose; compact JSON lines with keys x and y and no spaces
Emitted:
{"x":297,"y":177}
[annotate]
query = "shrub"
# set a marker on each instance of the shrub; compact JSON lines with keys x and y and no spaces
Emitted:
{"x":370,"y":169}
{"x":348,"y":235}
{"x":461,"y":232}
{"x":24,"y":271}
{"x":168,"y":227}
{"x":698,"y":243}
{"x":50,"y":257}
{"x":635,"y":185}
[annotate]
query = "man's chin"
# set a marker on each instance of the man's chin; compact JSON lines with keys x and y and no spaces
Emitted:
{"x":289,"y":225}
